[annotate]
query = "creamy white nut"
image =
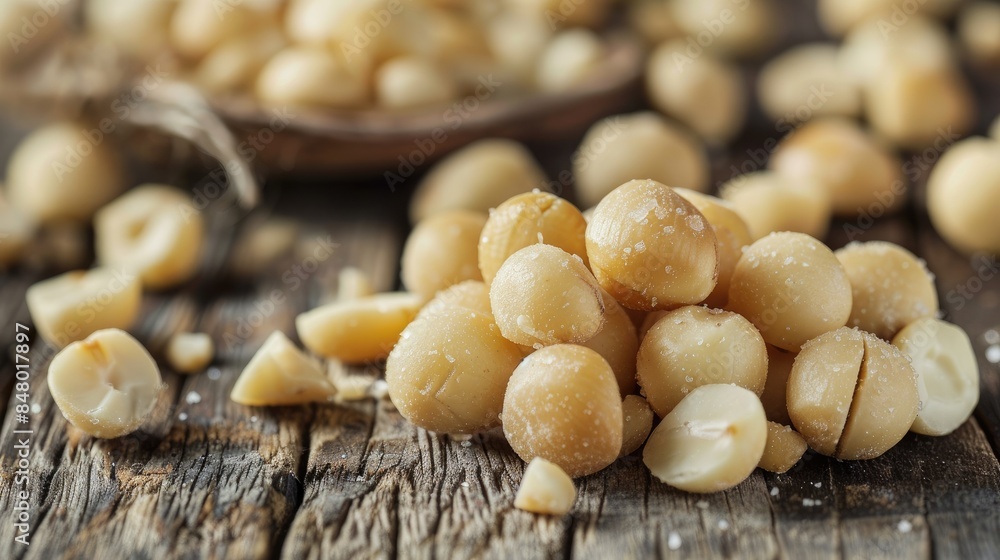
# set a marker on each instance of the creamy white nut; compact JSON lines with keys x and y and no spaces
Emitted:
{"x":261,"y":245}
{"x":64,"y":171}
{"x":947,"y":374}
{"x":545,"y":488}
{"x":868,"y":50}
{"x":570,"y":58}
{"x":72,"y":306}
{"x":154,"y":230}
{"x":785,"y":447}
{"x":770,"y":202}
{"x":310,"y":76}
{"x":710,"y":442}
{"x":358,"y":330}
{"x":138,"y":28}
{"x":234,"y":64}
{"x":442,"y":251}
{"x":413,"y":81}
{"x":106,"y":385}
{"x":280,"y":374}
{"x":748,"y":29}
{"x":637,"y":418}
{"x":961,"y":194}
{"x":806,"y":81}
{"x":353,"y":283}
{"x":190,"y":352}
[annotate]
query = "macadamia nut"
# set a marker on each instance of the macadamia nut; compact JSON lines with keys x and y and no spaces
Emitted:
{"x":562,"y":404}
{"x":694,"y":346}
{"x":979,"y":32}
{"x":710,"y":442}
{"x":743,"y":30}
{"x":652,"y":249}
{"x":769,"y":202}
{"x":139,"y":27}
{"x":774,"y":397}
{"x":947,"y":374}
{"x":638,"y":422}
{"x":962,"y":191}
{"x":871,"y":47}
{"x":545,"y":488}
{"x":570,"y":58}
{"x":106,"y":384}
{"x":807,"y":81}
{"x":280,"y":374}
{"x":310,"y":76}
{"x":190,"y":352}
{"x":543,"y":295}
{"x":792,"y":288}
{"x":154,"y":230}
{"x":638,"y":146}
{"x":785,"y":447}
{"x":412,"y":81}
{"x":442,"y":251}
{"x":353,"y":283}
{"x":74,"y":305}
{"x":360,"y":330}
{"x":617,"y":343}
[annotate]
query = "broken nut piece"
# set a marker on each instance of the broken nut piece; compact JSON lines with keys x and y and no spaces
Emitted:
{"x":359,"y":330}
{"x":545,"y":488}
{"x":190,"y":352}
{"x":280,"y":374}
{"x":785,"y":447}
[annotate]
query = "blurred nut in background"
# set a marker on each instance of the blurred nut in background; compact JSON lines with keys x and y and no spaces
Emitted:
{"x":962,"y":194}
{"x":441,"y":251}
{"x":979,"y":32}
{"x":412,"y":81}
{"x":138,"y":27}
{"x":804,"y":82}
{"x":871,"y":47}
{"x":643,"y":145}
{"x":154,"y":230}
{"x":569,"y":59}
{"x":64,"y":171}
{"x":728,"y":28}
{"x":770,"y":202}
{"x":840,"y":16}
{"x":190,"y":352}
{"x":306,"y":76}
{"x":234,"y":64}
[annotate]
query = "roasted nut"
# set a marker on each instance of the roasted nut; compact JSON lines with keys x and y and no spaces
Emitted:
{"x":652,"y":249}
{"x":442,"y":251}
{"x":962,"y":191}
{"x":890,"y":287}
{"x":917,"y":106}
{"x":792,"y":288}
{"x":774,"y":397}
{"x":543,"y":295}
{"x":979,"y":32}
{"x":478,"y":177}
{"x":617,"y":343}
{"x":562,"y":404}
{"x":807,"y":81}
{"x":851,"y":395}
{"x":638,"y":422}
{"x":106,"y":385}
{"x":412,"y":81}
{"x":449,"y":370}
{"x":545,"y":488}
{"x":710,"y":442}
{"x":527,"y":219}
{"x":784,"y":448}
{"x":947,"y":374}
{"x":705,"y":93}
{"x":359,"y":330}
{"x":769,"y":202}
{"x":570,"y":58}
{"x":860,"y":176}
{"x":138,"y":28}
{"x":73,"y":306}
{"x":234,"y":64}
{"x":742,"y":30}
{"x":694,"y":346}
{"x":732,"y":234}
{"x":280,"y":374}
{"x":190,"y":352}
{"x":868,"y":49}
{"x":353,"y":283}
{"x":310,"y":76}
{"x":644,"y":145}
{"x":63,"y":172}
{"x":154,"y":230}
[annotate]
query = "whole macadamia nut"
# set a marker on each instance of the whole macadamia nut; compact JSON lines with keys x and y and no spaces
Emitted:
{"x":638,"y":422}
{"x":770,"y":202}
{"x":804,"y":82}
{"x":979,"y":32}
{"x":413,"y":81}
{"x":652,"y":249}
{"x":871,"y":47}
{"x":962,"y":194}
{"x":740,"y":29}
{"x":310,"y":76}
{"x":618,"y":343}
{"x":570,"y":58}
{"x":442,"y":251}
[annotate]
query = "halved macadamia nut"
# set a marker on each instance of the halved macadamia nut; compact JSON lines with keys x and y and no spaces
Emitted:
{"x":360,"y":330}
{"x":106,"y":384}
{"x":694,"y":346}
{"x":74,"y":305}
{"x":947,"y":374}
{"x":545,"y":488}
{"x":280,"y":374}
{"x":543,"y":295}
{"x":652,"y":249}
{"x":785,"y":447}
{"x":792,"y":288}
{"x":562,"y":404}
{"x":638,"y":422}
{"x":710,"y":442}
{"x":441,"y":251}
{"x":154,"y":230}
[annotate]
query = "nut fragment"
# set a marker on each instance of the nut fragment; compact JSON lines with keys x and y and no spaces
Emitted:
{"x":527,"y":219}
{"x":545,"y":488}
{"x":154,"y":230}
{"x":64,"y":171}
{"x":769,"y":202}
{"x":792,"y":288}
{"x":774,"y":397}
{"x":784,"y":448}
{"x":947,"y":374}
{"x":710,"y":442}
{"x":353,"y":283}
{"x":106,"y":385}
{"x":280,"y":374}
{"x":617,"y":343}
{"x":652,"y":249}
{"x":562,"y":404}
{"x":441,"y":251}
{"x":261,"y":245}
{"x":449,"y":370}
{"x":190,"y":352}
{"x":478,"y":177}
{"x":638,"y":422}
{"x":694,"y":346}
{"x":359,"y":330}
{"x":641,"y":145}
{"x":890,"y":287}
{"x":543,"y":295}
{"x":807,"y":81}
{"x":74,"y":305}
{"x":962,"y":191}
